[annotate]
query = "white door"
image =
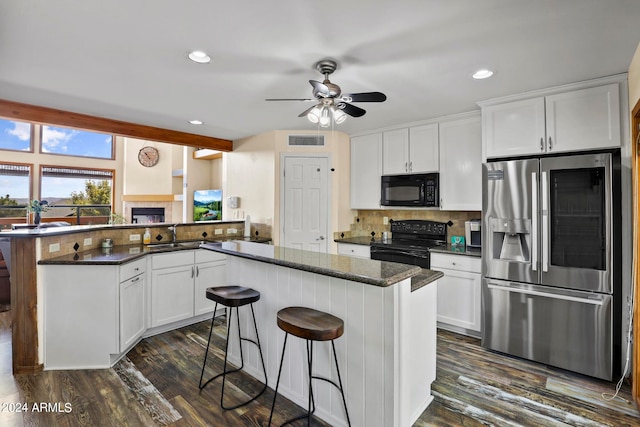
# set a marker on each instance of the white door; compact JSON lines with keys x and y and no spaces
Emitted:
{"x":305,"y":203}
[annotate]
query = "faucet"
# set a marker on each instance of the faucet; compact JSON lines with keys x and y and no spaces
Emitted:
{"x":172,"y":230}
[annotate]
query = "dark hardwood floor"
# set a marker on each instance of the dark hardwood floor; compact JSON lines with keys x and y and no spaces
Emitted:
{"x":157,"y":384}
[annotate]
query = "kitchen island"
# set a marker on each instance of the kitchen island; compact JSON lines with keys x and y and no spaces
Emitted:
{"x":387,"y":354}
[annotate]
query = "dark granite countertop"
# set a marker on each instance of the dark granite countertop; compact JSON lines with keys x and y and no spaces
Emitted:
{"x":447,"y":249}
{"x":372,"y":272}
{"x":359,"y":240}
{"x":424,"y":278}
{"x":457,"y":250}
{"x":125,"y":253}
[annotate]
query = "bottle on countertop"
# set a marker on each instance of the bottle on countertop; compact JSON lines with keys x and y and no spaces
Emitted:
{"x":146,"y":239}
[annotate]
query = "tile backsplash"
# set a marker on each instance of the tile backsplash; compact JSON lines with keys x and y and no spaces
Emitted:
{"x":367,"y":221}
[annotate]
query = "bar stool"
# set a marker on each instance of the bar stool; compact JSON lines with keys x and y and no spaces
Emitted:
{"x":233,"y":297}
{"x":311,"y":325}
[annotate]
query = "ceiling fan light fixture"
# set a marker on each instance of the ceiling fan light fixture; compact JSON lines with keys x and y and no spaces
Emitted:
{"x":314,"y":114}
{"x":199,"y":56}
{"x":325,"y":120}
{"x":339,"y":116}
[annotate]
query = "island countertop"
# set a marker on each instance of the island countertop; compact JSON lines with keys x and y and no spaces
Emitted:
{"x":372,"y":272}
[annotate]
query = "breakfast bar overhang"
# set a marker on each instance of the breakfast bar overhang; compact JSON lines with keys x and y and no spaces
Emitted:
{"x":387,"y":354}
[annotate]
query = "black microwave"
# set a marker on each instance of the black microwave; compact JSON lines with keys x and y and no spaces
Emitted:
{"x":418,"y":190}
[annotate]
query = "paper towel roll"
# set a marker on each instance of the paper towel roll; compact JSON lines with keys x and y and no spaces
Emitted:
{"x":247,"y":226}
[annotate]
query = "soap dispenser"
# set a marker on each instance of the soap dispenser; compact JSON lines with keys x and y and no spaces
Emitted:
{"x":146,"y":239}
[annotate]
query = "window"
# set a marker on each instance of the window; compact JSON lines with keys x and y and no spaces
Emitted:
{"x":66,"y":189}
{"x":15,"y":185}
{"x":74,"y":142}
{"x":15,"y":135}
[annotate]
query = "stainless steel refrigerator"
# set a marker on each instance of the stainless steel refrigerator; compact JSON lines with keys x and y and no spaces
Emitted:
{"x":551,"y":261}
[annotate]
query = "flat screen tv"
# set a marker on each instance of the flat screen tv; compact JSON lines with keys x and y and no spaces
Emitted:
{"x":207,"y":205}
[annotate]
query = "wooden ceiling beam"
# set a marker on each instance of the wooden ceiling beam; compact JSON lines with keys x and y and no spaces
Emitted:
{"x":51,"y":116}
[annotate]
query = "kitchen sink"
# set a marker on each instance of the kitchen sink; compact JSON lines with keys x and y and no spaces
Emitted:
{"x":191,"y":244}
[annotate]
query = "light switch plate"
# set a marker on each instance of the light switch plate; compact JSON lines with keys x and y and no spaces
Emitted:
{"x":88,"y":241}
{"x":218,"y":231}
{"x":232,"y":231}
{"x":134,"y":237}
{"x":54,"y":247}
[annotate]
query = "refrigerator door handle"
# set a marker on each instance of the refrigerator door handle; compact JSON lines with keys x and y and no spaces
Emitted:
{"x":545,"y":221}
{"x":534,"y":221}
{"x":546,"y":294}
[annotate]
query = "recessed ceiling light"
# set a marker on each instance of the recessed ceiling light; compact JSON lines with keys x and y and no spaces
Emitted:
{"x":482,"y":74}
{"x":196,"y":122}
{"x":199,"y":57}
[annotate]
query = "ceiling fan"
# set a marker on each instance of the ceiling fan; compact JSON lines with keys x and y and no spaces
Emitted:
{"x":333,"y":103}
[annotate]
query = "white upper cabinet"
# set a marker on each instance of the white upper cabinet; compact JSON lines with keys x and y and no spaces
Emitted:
{"x":577,"y":120}
{"x":423,"y":149}
{"x":395,"y":152}
{"x":515,"y":128}
{"x":585,"y":119}
{"x":366,"y":169}
{"x":410,"y":150}
{"x":461,"y":164}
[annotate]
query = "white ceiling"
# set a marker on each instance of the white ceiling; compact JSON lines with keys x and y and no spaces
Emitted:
{"x":126,"y":59}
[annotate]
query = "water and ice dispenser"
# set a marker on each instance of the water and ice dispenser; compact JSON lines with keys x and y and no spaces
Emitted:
{"x":510,"y":239}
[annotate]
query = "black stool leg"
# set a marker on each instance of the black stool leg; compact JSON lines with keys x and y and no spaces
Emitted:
{"x":344,"y":401}
{"x":213,"y":318}
{"x":273,"y":405}
{"x":226,"y":352}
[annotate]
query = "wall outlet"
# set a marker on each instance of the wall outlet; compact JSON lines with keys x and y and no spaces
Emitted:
{"x":134,"y":237}
{"x":88,"y":241}
{"x":385,"y":220}
{"x":217,"y":231}
{"x":232,"y":231}
{"x":54,"y":247}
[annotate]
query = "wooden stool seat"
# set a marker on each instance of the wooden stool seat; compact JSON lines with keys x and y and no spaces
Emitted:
{"x":233,"y":296}
{"x":310,"y":324}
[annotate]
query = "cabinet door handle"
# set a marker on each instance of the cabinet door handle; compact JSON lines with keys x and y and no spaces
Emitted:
{"x":549,"y":143}
{"x":541,"y":144}
{"x":197,"y":271}
{"x":410,"y":166}
{"x":135,"y":280}
{"x":192,"y":272}
{"x":406,"y":166}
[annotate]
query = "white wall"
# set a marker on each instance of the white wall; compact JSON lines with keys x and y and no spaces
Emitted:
{"x":139,"y":179}
{"x":634,"y":80}
{"x":252,"y":172}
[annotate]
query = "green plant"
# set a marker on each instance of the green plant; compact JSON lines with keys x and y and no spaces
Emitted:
{"x":37,"y":206}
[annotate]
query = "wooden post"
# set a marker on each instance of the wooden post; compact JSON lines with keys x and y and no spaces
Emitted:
{"x":24,"y":306}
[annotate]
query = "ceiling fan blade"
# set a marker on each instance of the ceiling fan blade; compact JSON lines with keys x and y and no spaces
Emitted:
{"x":320,"y":89}
{"x":365,"y":97}
{"x":351,"y":110}
{"x":289,"y":99}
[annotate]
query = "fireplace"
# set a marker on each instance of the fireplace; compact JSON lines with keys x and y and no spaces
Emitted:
{"x":147,"y":215}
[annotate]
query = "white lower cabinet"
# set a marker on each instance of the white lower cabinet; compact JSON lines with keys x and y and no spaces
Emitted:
{"x":459,"y":292}
{"x":132,"y":307}
{"x":350,"y":249}
{"x":211,"y":270}
{"x":92,"y":313}
{"x":178,"y":283}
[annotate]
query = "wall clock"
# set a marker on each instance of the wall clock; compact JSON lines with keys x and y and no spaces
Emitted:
{"x":148,"y":156}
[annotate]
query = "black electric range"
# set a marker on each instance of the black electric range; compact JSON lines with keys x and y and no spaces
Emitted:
{"x":410,"y":242}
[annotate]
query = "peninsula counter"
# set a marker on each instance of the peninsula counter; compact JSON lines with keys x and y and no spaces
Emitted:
{"x":387,"y":354}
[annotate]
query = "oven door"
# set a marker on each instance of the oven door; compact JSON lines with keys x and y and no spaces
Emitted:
{"x":419,"y":257}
